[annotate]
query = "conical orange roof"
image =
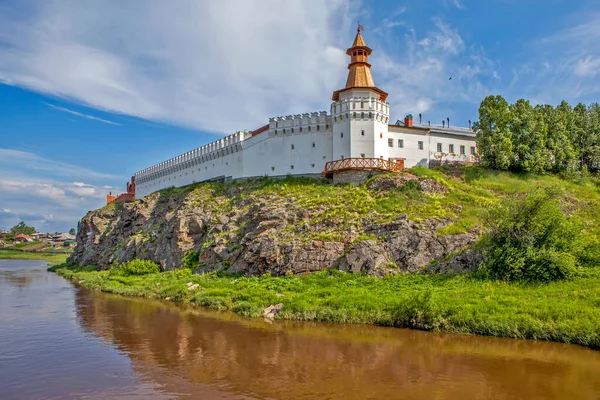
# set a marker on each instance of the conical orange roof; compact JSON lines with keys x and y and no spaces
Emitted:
{"x":359,"y":41}
{"x":359,"y":74}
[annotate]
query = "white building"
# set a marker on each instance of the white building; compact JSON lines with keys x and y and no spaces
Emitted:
{"x":357,"y":127}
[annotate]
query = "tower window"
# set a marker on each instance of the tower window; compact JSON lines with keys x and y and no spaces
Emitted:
{"x":291,"y":167}
{"x":300,"y":129}
{"x":326,"y":126}
{"x":272,"y":168}
{"x":362,"y":133}
{"x":292,"y":147}
{"x":292,"y":130}
{"x":400,"y":143}
{"x":342,"y":134}
{"x":462,"y":150}
{"x":362,"y":104}
{"x":309,"y":128}
{"x":420,"y":144}
{"x":318,"y":126}
{"x":390,"y":142}
{"x":312,"y":165}
{"x":314,"y":144}
{"x":439,"y":147}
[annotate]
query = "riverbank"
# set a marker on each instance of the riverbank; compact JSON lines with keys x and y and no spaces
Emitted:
{"x":50,"y":258}
{"x":564,"y":311}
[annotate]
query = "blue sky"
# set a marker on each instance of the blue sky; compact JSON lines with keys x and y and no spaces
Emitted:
{"x":91,"y":92}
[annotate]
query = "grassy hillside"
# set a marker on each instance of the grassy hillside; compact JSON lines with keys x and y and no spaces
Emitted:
{"x":565,"y":311}
{"x":471,"y":192}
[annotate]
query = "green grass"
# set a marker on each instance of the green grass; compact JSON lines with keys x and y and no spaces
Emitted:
{"x":565,"y":311}
{"x":50,"y":258}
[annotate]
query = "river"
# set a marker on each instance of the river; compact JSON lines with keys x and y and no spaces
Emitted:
{"x":60,"y":341}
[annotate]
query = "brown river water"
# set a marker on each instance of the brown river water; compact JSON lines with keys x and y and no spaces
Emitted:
{"x":59,"y":341}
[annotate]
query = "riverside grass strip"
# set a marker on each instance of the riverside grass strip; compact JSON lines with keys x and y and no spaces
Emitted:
{"x":563,"y":311}
{"x":50,"y":258}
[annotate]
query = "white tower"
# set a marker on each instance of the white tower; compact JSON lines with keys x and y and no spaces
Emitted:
{"x":359,"y":112}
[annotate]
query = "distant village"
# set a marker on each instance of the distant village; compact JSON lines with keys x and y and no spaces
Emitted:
{"x":37,"y":240}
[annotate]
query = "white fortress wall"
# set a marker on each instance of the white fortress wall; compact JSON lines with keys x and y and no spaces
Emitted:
{"x":223,"y":157}
{"x":294,"y":144}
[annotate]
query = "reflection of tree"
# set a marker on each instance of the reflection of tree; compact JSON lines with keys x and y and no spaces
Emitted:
{"x":330,"y":361}
{"x":15,"y":279}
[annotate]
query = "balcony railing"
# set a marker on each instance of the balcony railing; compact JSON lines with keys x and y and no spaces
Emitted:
{"x":365,"y":164}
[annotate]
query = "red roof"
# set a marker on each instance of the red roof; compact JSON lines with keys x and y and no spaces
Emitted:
{"x":22,"y":236}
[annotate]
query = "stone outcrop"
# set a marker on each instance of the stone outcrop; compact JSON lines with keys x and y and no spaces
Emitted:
{"x":254,"y":235}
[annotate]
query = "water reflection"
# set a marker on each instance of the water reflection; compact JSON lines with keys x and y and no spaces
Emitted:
{"x":15,"y":278}
{"x":184,"y":349}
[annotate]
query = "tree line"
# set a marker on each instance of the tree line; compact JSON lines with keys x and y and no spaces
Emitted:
{"x":522,"y":137}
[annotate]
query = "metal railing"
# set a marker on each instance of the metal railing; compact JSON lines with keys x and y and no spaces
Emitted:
{"x":368,"y":164}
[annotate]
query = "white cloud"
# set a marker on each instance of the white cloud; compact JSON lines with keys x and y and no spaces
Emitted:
{"x":40,"y":192}
{"x":47,"y":204}
{"x":218,"y":66}
{"x":10,"y":159}
{"x":587,"y":67}
{"x":562,"y":66}
{"x":456,"y":3}
{"x":420,"y":74}
{"x":82,"y":115}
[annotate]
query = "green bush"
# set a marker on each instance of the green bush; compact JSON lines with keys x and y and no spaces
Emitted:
{"x":190,"y":259}
{"x":135,"y":267}
{"x":532,"y":239}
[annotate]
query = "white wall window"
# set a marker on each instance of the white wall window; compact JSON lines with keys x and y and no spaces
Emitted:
{"x":451,"y":148}
{"x":439,"y":147}
{"x":362,"y":133}
{"x":292,"y":147}
{"x":462,"y":150}
{"x":291,"y":167}
{"x":272,"y":168}
{"x":473,"y":152}
{"x":420,"y":144}
{"x":312,"y":165}
{"x":342,"y":134}
{"x":314,"y":144}
{"x":390,"y":142}
{"x":400,"y":143}
{"x":362,"y":155}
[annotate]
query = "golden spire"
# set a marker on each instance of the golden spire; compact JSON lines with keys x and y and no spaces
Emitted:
{"x":359,"y":69}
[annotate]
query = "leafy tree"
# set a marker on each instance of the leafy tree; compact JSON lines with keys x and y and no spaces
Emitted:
{"x":537,"y":139}
{"x":561,"y":151}
{"x":21,"y":227}
{"x":494,"y":138}
{"x":72,"y":231}
{"x":529,"y":134}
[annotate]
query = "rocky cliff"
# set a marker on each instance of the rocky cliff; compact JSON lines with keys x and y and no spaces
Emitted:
{"x":293,"y":225}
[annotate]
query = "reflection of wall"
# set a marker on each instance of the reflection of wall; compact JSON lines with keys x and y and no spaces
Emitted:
{"x":333,"y":361}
